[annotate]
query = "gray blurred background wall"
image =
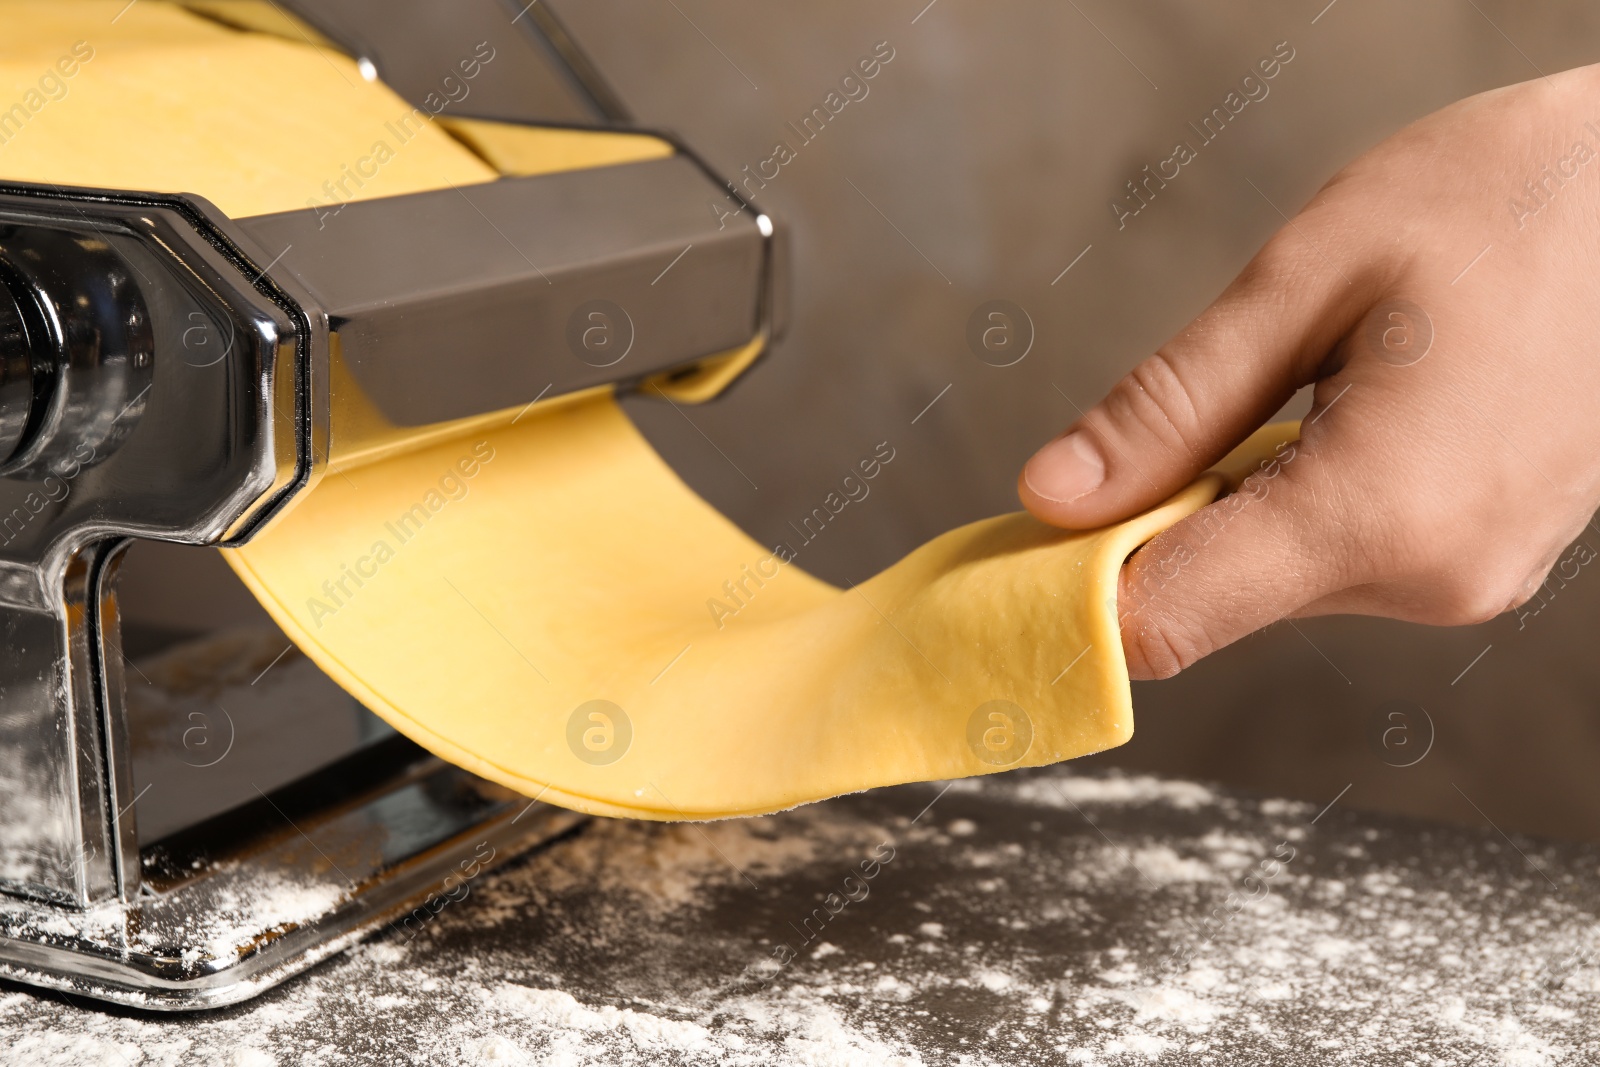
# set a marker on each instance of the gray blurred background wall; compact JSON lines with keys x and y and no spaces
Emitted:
{"x":979,"y":166}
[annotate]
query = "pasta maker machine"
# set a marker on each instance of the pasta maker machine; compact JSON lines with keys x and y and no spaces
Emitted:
{"x":189,"y":810}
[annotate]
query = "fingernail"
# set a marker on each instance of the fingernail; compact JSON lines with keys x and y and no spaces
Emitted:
{"x":1065,"y":469}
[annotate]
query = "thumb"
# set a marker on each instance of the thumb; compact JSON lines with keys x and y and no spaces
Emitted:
{"x":1202,"y":393}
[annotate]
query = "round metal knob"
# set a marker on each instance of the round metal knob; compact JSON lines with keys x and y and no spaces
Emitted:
{"x":16,"y":374}
{"x":76,"y":350}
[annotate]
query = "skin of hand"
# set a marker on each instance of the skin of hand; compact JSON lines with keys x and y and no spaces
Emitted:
{"x":1452,"y":451}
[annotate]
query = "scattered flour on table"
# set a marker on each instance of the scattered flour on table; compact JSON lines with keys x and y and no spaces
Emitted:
{"x":1059,"y":791}
{"x":1109,"y":948}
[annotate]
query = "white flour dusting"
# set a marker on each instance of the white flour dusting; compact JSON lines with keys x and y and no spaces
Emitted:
{"x":1183,"y":926}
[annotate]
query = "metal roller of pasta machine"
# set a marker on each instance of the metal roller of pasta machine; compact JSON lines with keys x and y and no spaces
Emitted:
{"x":189,"y":810}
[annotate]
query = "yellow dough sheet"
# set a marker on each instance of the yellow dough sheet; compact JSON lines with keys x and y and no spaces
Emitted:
{"x":484,"y":594}
{"x":163,"y":100}
{"x":536,"y":600}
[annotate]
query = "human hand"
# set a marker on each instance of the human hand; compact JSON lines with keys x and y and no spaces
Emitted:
{"x":1443,"y":292}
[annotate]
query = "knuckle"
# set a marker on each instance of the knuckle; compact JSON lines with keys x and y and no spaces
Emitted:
{"x":1479,"y":601}
{"x":1470,"y":594}
{"x":1155,"y":400}
{"x":1530,"y":588}
{"x":1163,"y":647}
{"x":1544,"y":579}
{"x":1463,"y":575}
{"x":1444,"y":553}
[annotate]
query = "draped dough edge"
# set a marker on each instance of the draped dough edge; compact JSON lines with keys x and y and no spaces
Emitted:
{"x":1117,"y":543}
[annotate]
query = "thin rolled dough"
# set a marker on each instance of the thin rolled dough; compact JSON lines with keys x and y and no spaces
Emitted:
{"x":532,"y":600}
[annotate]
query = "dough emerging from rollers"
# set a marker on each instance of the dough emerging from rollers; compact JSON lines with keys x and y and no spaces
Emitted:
{"x":531,"y":603}
{"x":531,"y":599}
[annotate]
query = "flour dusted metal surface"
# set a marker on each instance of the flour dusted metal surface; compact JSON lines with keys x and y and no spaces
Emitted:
{"x":1034,"y":918}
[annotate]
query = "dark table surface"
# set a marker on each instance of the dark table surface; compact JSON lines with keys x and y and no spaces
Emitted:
{"x":1029,"y":918}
